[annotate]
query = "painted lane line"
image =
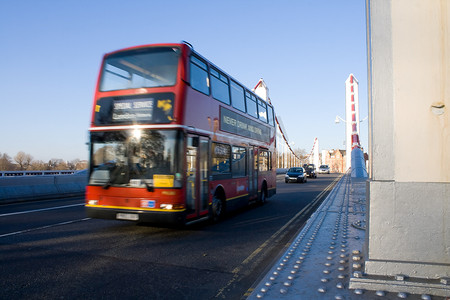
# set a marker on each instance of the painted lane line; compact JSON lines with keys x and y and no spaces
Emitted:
{"x":38,"y":210}
{"x":43,"y":227}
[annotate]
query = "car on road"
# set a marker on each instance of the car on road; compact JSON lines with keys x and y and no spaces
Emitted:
{"x":311,"y":171}
{"x":295,"y":174}
{"x":324,"y":169}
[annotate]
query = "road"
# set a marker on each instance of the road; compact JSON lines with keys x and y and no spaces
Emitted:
{"x":50,"y":250}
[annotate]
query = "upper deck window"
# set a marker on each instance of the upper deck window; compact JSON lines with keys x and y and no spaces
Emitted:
{"x":252,"y":107}
{"x":262,"y":110}
{"x":237,"y":96}
{"x":140,"y":68}
{"x":270,"y":115}
{"x":219,"y":86}
{"x":199,"y":75}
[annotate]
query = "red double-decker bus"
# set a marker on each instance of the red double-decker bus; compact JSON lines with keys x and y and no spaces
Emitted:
{"x":174,"y":139}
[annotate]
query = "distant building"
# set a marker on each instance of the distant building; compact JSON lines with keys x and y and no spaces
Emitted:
{"x":335,"y":159}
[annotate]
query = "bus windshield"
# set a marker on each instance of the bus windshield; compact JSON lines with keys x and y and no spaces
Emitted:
{"x":136,"y":158}
{"x":141,"y":68}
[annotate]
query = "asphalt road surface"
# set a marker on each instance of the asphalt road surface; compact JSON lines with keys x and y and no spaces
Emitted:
{"x":50,"y":250}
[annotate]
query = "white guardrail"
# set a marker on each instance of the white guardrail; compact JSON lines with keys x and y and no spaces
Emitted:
{"x":36,"y":173}
{"x":36,"y":185}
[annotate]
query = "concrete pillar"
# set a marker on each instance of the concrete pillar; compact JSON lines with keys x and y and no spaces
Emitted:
{"x":316,"y":154}
{"x":408,"y":232}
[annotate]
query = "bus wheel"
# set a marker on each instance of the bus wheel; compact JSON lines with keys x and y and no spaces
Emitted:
{"x":263,"y":196}
{"x":218,"y":208}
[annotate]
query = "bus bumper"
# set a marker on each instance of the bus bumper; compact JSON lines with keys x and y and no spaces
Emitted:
{"x":159,"y":217}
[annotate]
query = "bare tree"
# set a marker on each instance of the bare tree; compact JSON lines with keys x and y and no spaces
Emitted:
{"x":23,"y":160}
{"x":53,"y":163}
{"x":301,"y":154}
{"x":72,"y":165}
{"x":28,"y":160}
{"x":20,"y":159}
{"x":5,"y":163}
{"x":62,"y":165}
{"x":81,"y":165}
{"x":38,"y":165}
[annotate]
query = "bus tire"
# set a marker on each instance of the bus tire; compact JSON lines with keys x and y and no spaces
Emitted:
{"x":263,"y":197}
{"x":217,"y":207}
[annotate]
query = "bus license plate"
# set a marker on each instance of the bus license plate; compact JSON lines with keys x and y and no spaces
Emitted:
{"x":130,"y":217}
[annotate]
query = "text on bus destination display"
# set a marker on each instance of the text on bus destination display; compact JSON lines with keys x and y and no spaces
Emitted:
{"x":133,"y":105}
{"x":154,"y":108}
{"x":133,"y":110}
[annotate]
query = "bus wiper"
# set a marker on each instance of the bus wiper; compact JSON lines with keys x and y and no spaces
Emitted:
{"x":112,"y":176}
{"x":148,"y":186}
{"x":107,"y":185}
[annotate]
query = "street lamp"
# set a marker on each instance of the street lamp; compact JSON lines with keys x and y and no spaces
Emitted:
{"x":339,"y":118}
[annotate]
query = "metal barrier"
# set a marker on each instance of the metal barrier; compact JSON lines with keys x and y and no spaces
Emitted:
{"x":36,"y":173}
{"x":14,"y":188}
{"x":358,"y":164}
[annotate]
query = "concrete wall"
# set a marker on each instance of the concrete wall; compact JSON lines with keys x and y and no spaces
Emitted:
{"x":25,"y":188}
{"x":409,"y":102}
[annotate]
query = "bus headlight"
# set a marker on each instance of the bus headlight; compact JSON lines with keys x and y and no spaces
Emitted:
{"x":166,"y":206}
{"x":172,"y":206}
{"x":93,"y":202}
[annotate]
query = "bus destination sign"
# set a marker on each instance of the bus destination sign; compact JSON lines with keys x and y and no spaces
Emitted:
{"x":154,"y":108}
{"x":243,"y":126}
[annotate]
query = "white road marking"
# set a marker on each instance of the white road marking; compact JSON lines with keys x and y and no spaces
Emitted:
{"x":43,"y":227}
{"x":37,"y":210}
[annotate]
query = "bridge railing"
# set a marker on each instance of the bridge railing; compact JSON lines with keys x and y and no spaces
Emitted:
{"x":358,"y":163}
{"x":37,"y":185}
{"x":37,"y":173}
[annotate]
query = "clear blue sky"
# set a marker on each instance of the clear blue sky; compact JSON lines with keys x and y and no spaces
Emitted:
{"x":51,"y":52}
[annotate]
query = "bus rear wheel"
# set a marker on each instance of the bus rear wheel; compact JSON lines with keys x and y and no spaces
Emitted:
{"x":217,"y":208}
{"x":263,"y":197}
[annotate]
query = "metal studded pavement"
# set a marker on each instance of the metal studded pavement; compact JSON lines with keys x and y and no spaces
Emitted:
{"x":327,"y":253}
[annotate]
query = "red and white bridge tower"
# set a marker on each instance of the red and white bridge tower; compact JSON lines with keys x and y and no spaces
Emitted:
{"x":351,"y":116}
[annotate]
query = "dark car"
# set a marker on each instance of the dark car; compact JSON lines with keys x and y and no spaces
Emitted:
{"x":296,"y":174}
{"x":311,"y":171}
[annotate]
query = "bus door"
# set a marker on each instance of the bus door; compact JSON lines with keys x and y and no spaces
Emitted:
{"x":197,"y":157}
{"x":252,"y":171}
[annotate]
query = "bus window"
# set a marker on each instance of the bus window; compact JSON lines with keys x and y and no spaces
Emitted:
{"x":219,"y":87}
{"x":252,"y":107}
{"x":238,"y":165}
{"x":237,"y":96}
{"x":270,"y":114}
{"x":199,"y":75}
{"x":264,"y":162}
{"x":262,"y":110}
{"x":135,"y":158}
{"x":153,"y":67}
{"x":220,"y":159}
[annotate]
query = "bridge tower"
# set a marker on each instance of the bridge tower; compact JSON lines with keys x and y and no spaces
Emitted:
{"x":314,"y":154}
{"x":351,"y":116}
